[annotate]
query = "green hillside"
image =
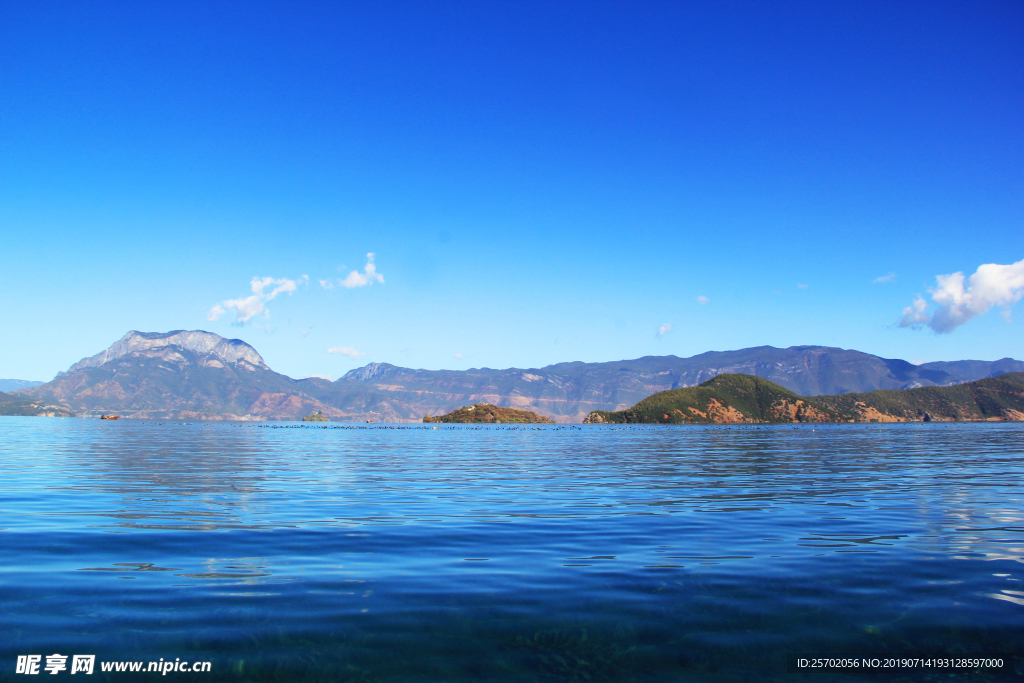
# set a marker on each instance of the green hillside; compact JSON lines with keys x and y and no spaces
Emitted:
{"x":994,"y":398}
{"x":749,"y":399}
{"x":725,"y":398}
{"x":487,"y":413}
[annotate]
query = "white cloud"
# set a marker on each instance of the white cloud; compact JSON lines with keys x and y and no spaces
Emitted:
{"x":457,"y":356}
{"x":355,"y":278}
{"x":702,"y":300}
{"x":1007,"y":315}
{"x":346,"y":351}
{"x":890,"y":277}
{"x":246,"y":308}
{"x":914,"y":315}
{"x":282,"y":285}
{"x":664,"y":329}
{"x":264,"y":289}
{"x":958,"y":300}
{"x":802,"y":286}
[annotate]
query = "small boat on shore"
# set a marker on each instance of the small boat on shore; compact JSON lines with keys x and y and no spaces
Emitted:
{"x":110,"y":417}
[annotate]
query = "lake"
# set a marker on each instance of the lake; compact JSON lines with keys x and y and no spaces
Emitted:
{"x":308,"y":552}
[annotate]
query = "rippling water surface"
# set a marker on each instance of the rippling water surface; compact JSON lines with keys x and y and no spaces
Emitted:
{"x":601,"y":553}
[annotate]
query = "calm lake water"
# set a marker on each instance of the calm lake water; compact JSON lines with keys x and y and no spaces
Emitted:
{"x":365,"y":553}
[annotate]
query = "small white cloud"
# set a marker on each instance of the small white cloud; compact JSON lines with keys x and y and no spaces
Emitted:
{"x":802,"y":286}
{"x":246,"y":308}
{"x":355,"y":278}
{"x":664,"y":329}
{"x":1007,"y":315}
{"x":346,"y":351}
{"x":703,"y":300}
{"x":457,"y":356}
{"x":305,"y":332}
{"x":890,"y":277}
{"x":960,"y":299}
{"x":369,"y":274}
{"x":264,"y":289}
{"x":281,"y":285}
{"x":914,"y":315}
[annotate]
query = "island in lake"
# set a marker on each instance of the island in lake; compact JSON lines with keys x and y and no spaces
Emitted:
{"x":491,"y":414}
{"x":316,"y":417}
{"x":739,"y":398}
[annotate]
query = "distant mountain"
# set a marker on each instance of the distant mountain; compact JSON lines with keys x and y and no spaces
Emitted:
{"x":198,"y":375}
{"x":213,"y":349}
{"x":958,"y":371}
{"x":738,"y":399}
{"x":569,"y":391}
{"x":12,"y":384}
{"x":201,"y":375}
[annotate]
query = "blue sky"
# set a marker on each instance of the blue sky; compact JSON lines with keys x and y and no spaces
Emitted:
{"x":538,"y":182}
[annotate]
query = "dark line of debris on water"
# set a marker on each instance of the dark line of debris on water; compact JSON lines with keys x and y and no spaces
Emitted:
{"x":492,"y":426}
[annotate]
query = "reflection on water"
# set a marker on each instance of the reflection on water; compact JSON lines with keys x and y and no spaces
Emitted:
{"x":382,"y":553}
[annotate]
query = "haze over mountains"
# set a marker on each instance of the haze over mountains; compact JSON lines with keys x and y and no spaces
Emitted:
{"x":200,"y":375}
{"x":12,"y":384}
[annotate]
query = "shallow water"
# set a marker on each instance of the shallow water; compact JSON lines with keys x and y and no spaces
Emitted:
{"x":601,"y":553}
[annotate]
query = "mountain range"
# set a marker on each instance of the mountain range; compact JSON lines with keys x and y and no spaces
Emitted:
{"x":12,"y":384}
{"x":201,"y":375}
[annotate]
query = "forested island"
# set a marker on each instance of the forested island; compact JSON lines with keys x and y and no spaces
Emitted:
{"x":739,"y":398}
{"x":492,"y":414}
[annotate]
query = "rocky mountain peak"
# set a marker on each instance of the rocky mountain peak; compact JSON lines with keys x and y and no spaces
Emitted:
{"x":194,"y":341}
{"x":370,"y":372}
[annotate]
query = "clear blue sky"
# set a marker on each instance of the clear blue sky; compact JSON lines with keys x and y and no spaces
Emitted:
{"x":538,"y":182}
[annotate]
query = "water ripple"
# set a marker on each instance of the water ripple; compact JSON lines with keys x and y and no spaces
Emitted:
{"x":606,"y":553}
